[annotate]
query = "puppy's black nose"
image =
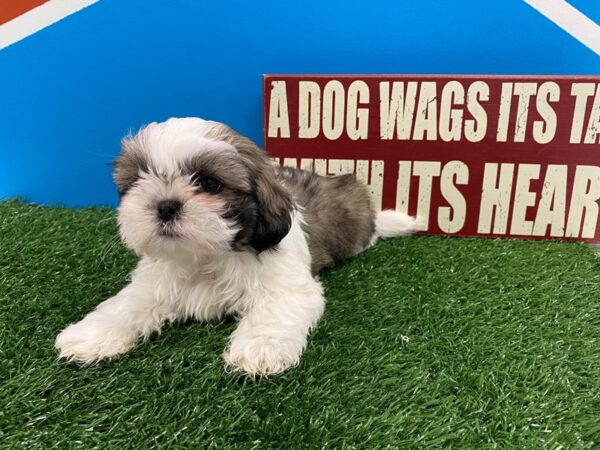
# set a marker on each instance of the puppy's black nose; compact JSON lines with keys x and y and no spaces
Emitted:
{"x":168,"y":209}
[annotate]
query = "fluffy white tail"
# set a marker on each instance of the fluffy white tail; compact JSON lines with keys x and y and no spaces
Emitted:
{"x":390,"y":223}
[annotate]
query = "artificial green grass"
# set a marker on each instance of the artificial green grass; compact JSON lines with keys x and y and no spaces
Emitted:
{"x":426,"y":342}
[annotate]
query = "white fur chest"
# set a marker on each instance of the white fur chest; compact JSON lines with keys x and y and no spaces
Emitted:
{"x":204,"y":290}
{"x":232,"y":283}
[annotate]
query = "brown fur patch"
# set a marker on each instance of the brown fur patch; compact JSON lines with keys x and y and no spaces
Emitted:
{"x":128,"y":165}
{"x":273,"y":206}
{"x":227,"y":168}
{"x":339,"y":221}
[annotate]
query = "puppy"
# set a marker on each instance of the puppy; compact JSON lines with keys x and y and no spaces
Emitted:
{"x":221,"y":231}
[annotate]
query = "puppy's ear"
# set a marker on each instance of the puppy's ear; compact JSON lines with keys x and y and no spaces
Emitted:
{"x":127,"y":166}
{"x":273,"y":203}
{"x":274,"y":209}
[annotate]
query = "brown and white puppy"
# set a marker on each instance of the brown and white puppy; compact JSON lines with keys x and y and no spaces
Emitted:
{"x":221,"y":231}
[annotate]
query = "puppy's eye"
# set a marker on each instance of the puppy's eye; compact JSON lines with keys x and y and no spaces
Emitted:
{"x":208,"y":184}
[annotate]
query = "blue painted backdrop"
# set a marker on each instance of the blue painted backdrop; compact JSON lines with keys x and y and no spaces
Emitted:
{"x":69,"y":92}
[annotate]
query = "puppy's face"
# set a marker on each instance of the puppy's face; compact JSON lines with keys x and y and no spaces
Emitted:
{"x":190,"y":185}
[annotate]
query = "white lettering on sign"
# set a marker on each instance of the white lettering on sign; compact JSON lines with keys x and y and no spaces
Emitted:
{"x":403,"y":186}
{"x":543,"y":130}
{"x":450,"y":118}
{"x":524,"y":91}
{"x":357,"y":119}
{"x":553,"y":204}
{"x":309,"y":113}
{"x":397,"y":111}
{"x":425,"y":171}
{"x":523,"y":199}
{"x":581,"y":92}
{"x":451,"y":219}
{"x":333,"y":111}
{"x":552,"y":210}
{"x":476,"y":128}
{"x":593,"y":128}
{"x":584,"y":202}
{"x":426,"y":117}
{"x":495,"y":198}
{"x":404,"y":115}
{"x":279,"y":122}
{"x":411,"y":110}
{"x":504,"y":113}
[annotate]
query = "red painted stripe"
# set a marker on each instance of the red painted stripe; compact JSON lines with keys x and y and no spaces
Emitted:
{"x":14,"y":8}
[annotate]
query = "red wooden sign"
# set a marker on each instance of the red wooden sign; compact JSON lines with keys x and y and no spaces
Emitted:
{"x":499,"y":156}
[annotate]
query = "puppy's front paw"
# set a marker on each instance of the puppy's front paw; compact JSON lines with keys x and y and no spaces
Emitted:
{"x":94,"y":338}
{"x":263,"y":354}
